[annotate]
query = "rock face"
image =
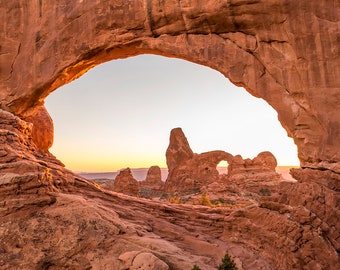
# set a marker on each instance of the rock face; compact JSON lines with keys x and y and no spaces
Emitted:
{"x":264,"y":48}
{"x":153,"y":185}
{"x":125,"y":183}
{"x":179,"y":150}
{"x":42,"y":128}
{"x":142,"y":260}
{"x":291,"y":61}
{"x":189,"y":171}
{"x":261,"y":168}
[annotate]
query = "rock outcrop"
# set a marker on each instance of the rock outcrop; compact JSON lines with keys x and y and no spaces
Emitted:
{"x":153,"y":185}
{"x":188,"y":171}
{"x":261,"y":168}
{"x":135,"y":260}
{"x":179,"y":150}
{"x":125,"y":183}
{"x":261,"y":46}
{"x":52,"y":218}
{"x":42,"y":128}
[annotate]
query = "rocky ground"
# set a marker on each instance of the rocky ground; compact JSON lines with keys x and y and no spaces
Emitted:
{"x":51,"y":218}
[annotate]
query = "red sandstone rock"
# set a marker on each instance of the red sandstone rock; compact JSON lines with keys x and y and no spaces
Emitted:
{"x":42,"y":130}
{"x":291,"y":61}
{"x":261,"y":168}
{"x":142,"y":260}
{"x":153,"y":185}
{"x":125,"y":183}
{"x":179,"y":150}
{"x":255,"y":47}
{"x":188,"y":171}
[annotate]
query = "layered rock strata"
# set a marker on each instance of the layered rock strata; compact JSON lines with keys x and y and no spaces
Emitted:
{"x":260,"y":168}
{"x":265,"y":46}
{"x":52,"y":218}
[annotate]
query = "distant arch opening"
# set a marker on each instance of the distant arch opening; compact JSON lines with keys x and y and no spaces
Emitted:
{"x":222,"y":167}
{"x":120,"y":113}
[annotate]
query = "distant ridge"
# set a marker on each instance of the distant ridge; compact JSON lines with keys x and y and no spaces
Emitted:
{"x":140,"y":173}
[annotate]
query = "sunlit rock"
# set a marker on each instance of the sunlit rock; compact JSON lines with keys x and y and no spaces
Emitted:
{"x":125,"y":183}
{"x":286,"y":52}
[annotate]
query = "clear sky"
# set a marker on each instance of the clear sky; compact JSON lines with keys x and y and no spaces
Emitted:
{"x":120,"y":114}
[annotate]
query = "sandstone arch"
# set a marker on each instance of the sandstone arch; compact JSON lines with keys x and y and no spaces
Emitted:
{"x":256,"y":45}
{"x":286,"y":52}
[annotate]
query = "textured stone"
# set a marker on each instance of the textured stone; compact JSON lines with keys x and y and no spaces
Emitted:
{"x":179,"y":150}
{"x":260,"y":168}
{"x":125,"y":183}
{"x":188,"y":171}
{"x":142,"y":260}
{"x":42,"y":129}
{"x":153,"y":185}
{"x":268,"y":47}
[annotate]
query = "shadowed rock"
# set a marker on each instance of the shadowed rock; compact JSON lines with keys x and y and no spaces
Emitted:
{"x":188,"y":171}
{"x":260,"y":168}
{"x":125,"y":183}
{"x":153,"y":185}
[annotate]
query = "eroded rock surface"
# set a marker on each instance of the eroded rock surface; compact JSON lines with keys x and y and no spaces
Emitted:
{"x":189,"y":172}
{"x":50,"y":217}
{"x":153,"y":185}
{"x":261,"y":168}
{"x":125,"y":183}
{"x":265,"y":46}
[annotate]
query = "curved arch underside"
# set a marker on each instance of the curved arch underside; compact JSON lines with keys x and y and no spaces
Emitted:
{"x":286,"y":52}
{"x":264,"y":46}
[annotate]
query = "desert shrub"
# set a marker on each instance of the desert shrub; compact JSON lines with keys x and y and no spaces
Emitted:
{"x":204,"y":200}
{"x":175,"y":199}
{"x":222,"y":202}
{"x":195,"y":267}
{"x":264,"y":192}
{"x":227,"y":263}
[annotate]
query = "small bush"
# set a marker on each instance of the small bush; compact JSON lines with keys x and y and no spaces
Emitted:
{"x":227,"y":263}
{"x":264,"y":192}
{"x":195,"y":267}
{"x":175,"y":199}
{"x":204,"y":200}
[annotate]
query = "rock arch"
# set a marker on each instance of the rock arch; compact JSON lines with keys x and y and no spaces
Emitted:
{"x":257,"y":45}
{"x":285,"y":52}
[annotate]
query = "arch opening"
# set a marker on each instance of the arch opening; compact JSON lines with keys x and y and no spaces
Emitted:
{"x":202,"y":96}
{"x":222,"y":167}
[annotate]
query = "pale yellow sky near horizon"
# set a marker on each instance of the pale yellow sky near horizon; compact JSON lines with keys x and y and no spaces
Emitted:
{"x":120,"y":115}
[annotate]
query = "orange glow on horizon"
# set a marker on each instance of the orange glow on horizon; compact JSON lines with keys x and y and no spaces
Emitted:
{"x":104,"y":163}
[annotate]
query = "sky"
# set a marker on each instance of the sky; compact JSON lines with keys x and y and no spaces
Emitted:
{"x":120,"y":114}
